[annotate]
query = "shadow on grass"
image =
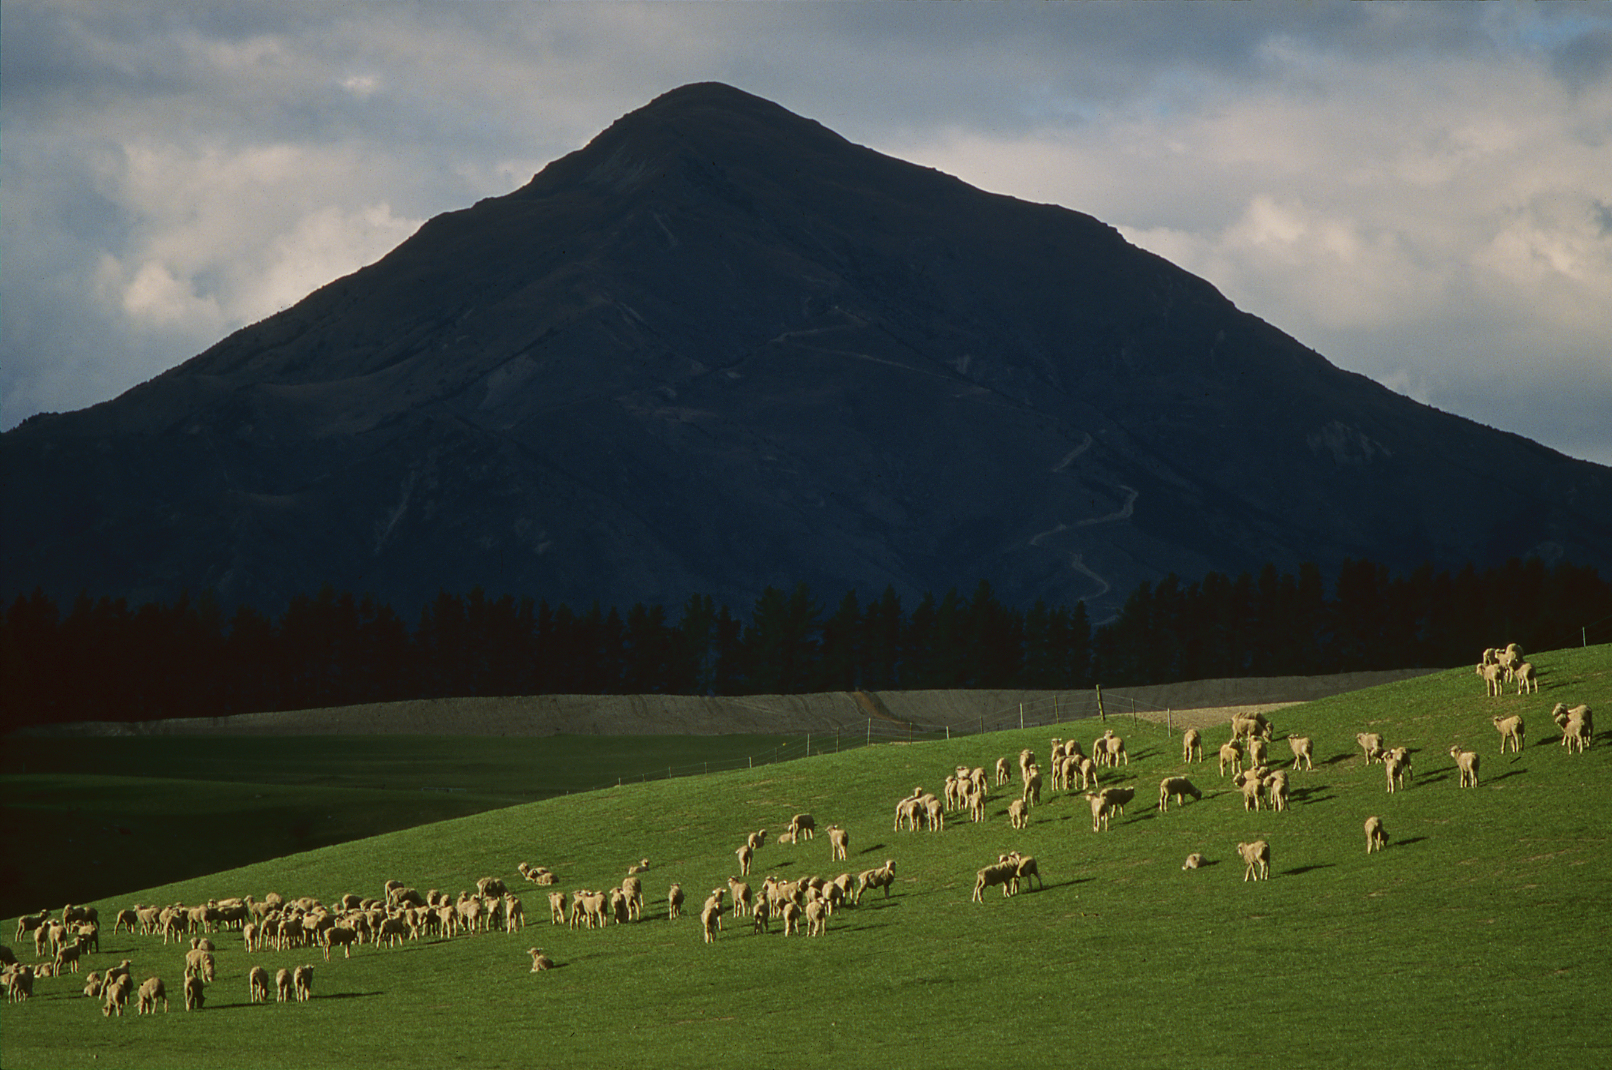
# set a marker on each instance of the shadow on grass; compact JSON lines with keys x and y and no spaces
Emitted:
{"x":1409,"y":840}
{"x":1298,"y":871}
{"x":212,"y":1006}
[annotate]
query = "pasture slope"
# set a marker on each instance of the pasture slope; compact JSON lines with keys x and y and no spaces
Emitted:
{"x":1477,"y":939}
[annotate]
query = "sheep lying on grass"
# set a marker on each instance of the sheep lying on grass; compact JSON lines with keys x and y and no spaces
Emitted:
{"x":1376,"y":835}
{"x":1466,"y":763}
{"x":1577,"y":725}
{"x":151,"y":991}
{"x":1194,"y":861}
{"x":1256,"y":857}
{"x":1192,"y":745}
{"x":1511,"y":731}
{"x":537,"y":874}
{"x":1179,"y":787}
{"x":540,"y":961}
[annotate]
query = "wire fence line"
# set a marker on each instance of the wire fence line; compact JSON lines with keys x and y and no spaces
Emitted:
{"x":1055,"y":710}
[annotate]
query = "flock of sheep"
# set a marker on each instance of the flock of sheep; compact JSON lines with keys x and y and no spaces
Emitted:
{"x":404,"y":914}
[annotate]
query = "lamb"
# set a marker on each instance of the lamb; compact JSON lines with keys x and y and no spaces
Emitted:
{"x":711,"y":918}
{"x":93,"y":984}
{"x":557,"y":908}
{"x":20,"y":986}
{"x":882,"y":877}
{"x":515,"y":913}
{"x":674,"y":902}
{"x":1466,"y":763}
{"x":1117,"y":798}
{"x":1194,"y":861}
{"x":1100,"y":811}
{"x":1115,"y":749}
{"x":1256,"y":750}
{"x":816,"y":917}
{"x":486,"y":887}
{"x":1026,"y":759}
{"x":151,"y":990}
{"x":755,"y":840}
{"x":1032,"y":785}
{"x":840,"y":842}
{"x":907,"y":811}
{"x":790,"y":911}
{"x":1276,"y":790}
{"x":540,"y":961}
{"x":743,"y":898}
{"x":1257,"y":858}
{"x":1376,"y":835}
{"x":762,"y":916}
{"x":1577,"y":725}
{"x":302,"y":981}
{"x":536,"y":874}
{"x":935,"y":814}
{"x":258,"y":984}
{"x":974,"y":798}
{"x":618,"y":907}
{"x":641,"y":866}
{"x":1178,"y":786}
{"x":1001,"y":773}
{"x":282,"y":985}
{"x":1025,"y":867}
{"x":1527,"y":678}
{"x":1250,"y":726}
{"x":632,"y":890}
{"x":195,"y":994}
{"x":801,"y":825}
{"x":1231,"y":753}
{"x":744,"y":854}
{"x":1301,"y":747}
{"x":30,"y":922}
{"x":1253,"y":789}
{"x":1396,"y":763}
{"x":1192,"y":745}
{"x":1509,"y":659}
{"x":1088,"y":773}
{"x":199,"y":963}
{"x":1018,"y":813}
{"x":344,"y":937}
{"x":1372,"y":744}
{"x":1511,"y":731}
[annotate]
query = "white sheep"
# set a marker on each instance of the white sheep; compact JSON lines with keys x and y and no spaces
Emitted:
{"x":641,"y":866}
{"x":1100,"y":811}
{"x":302,"y":981}
{"x":1192,"y":745}
{"x":1396,"y":763}
{"x":282,"y":985}
{"x":1231,"y":753}
{"x":195,"y":993}
{"x":745,"y":853}
{"x":1257,"y":858}
{"x":1024,"y":868}
{"x":816,"y":917}
{"x":151,"y":991}
{"x":1494,"y":677}
{"x":674,"y":902}
{"x":1114,"y":749}
{"x":989,"y":876}
{"x":1511,"y":731}
{"x":882,"y":877}
{"x":1256,"y":750}
{"x":1372,"y":744}
{"x":1527,"y":678}
{"x":1179,"y":787}
{"x":801,"y":826}
{"x":257,"y":984}
{"x":1577,"y":725}
{"x":1302,"y":748}
{"x":557,"y":908}
{"x":1276,"y":789}
{"x":540,"y":960}
{"x":1376,"y":835}
{"x":1466,"y":763}
{"x":1032,"y":785}
{"x":711,"y":914}
{"x":743,"y":898}
{"x":1117,"y":798}
{"x":1018,"y":813}
{"x":1002,"y":771}
{"x":1194,"y":861}
{"x":1253,"y":789}
{"x":632,"y":890}
{"x":116,"y":993}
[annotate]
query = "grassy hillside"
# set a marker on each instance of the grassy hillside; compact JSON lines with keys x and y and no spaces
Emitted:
{"x":1477,"y":939}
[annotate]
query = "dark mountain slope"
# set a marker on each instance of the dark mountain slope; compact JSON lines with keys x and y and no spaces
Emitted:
{"x":720,"y":347}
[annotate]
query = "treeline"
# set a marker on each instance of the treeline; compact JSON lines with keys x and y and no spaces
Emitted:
{"x":105,"y":660}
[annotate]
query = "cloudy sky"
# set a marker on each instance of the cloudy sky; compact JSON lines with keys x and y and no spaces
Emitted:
{"x":1422,"y":193}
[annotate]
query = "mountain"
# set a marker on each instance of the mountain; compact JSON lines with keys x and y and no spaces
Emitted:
{"x":720,"y":348}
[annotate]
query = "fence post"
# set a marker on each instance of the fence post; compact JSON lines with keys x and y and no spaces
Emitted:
{"x":870,"y":731}
{"x":1168,"y":727}
{"x":1101,"y":716}
{"x":1055,"y":718}
{"x":1021,"y":716}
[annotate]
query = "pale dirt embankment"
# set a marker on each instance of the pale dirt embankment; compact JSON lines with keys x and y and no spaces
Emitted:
{"x":1198,"y":703}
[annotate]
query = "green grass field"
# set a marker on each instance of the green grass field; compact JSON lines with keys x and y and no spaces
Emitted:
{"x":1478,"y":938}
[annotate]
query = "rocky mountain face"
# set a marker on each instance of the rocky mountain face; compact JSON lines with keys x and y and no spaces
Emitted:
{"x":721,"y":348}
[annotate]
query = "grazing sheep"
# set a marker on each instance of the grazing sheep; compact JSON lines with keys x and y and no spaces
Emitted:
{"x":302,"y":981}
{"x":1253,"y":789}
{"x":1117,"y":798}
{"x":1302,"y":749}
{"x":540,"y":961}
{"x":486,"y":887}
{"x":907,"y":812}
{"x":1018,"y":813}
{"x":1115,"y":749}
{"x":1527,"y":678}
{"x":1256,"y":750}
{"x":743,"y":898}
{"x":761,"y":916}
{"x":1100,"y":811}
{"x":258,"y":984}
{"x":816,"y":917}
{"x":1192,"y":745}
{"x":882,"y":877}
{"x":1257,"y":858}
{"x":1032,"y":785}
{"x":1372,"y":744}
{"x":1179,"y":787}
{"x":1466,"y":763}
{"x":1396,"y":763}
{"x":1025,"y":867}
{"x":1231,"y":753}
{"x":801,"y":826}
{"x":1276,"y":790}
{"x":282,"y":985}
{"x":1001,"y":777}
{"x":1194,"y":861}
{"x":1376,"y":835}
{"x":199,"y":963}
{"x":1511,"y":731}
{"x":711,"y":918}
{"x":151,"y":990}
{"x":557,"y":908}
{"x":1577,"y":725}
{"x":988,"y":877}
{"x":195,"y":993}
{"x":744,"y":854}
{"x":632,"y":890}
{"x":674,"y":902}
{"x":116,"y":994}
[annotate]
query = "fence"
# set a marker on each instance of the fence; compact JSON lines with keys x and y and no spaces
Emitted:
{"x":1055,"y":710}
